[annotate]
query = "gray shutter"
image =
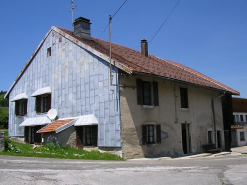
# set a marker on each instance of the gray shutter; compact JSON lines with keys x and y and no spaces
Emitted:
{"x":139,"y":91}
{"x":156,"y":94}
{"x":94,"y":135}
{"x":158,"y":134}
{"x":144,"y":134}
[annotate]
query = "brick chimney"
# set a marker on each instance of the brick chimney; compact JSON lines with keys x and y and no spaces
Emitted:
{"x":144,"y":47}
{"x":82,"y":28}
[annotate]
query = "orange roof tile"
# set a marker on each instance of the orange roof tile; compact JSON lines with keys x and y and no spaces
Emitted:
{"x":55,"y":125}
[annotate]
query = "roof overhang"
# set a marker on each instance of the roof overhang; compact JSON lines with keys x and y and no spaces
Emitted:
{"x":35,"y":121}
{"x":19,"y":97}
{"x":45,"y":90}
{"x":86,"y":120}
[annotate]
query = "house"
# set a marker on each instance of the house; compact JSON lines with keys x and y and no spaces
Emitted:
{"x":132,"y":103}
{"x":239,"y":127}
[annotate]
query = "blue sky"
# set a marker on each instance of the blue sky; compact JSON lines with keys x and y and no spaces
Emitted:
{"x":209,"y":36}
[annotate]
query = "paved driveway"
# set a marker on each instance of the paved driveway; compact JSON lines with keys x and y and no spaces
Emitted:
{"x":230,"y":169}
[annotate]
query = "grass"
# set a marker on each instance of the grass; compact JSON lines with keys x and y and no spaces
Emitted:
{"x":5,"y":132}
{"x":27,"y":150}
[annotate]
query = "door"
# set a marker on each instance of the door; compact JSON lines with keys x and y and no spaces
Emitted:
{"x":219,"y":139}
{"x":186,"y":138}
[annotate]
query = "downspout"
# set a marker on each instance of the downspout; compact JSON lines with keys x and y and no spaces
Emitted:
{"x":215,"y":133}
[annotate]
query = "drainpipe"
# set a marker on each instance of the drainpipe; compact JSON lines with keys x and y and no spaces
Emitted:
{"x":215,"y":133}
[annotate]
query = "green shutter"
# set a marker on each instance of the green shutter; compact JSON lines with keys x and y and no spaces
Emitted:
{"x":38,"y":104}
{"x":17,"y":108}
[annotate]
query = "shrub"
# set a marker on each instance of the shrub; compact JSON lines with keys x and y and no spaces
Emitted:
{"x":52,"y":142}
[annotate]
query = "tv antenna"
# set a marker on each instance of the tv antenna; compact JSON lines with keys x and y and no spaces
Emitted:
{"x":72,"y":7}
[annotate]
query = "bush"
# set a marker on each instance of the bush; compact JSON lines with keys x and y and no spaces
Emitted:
{"x":10,"y":147}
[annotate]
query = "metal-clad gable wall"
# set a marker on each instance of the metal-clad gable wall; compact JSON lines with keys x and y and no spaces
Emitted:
{"x":80,"y":85}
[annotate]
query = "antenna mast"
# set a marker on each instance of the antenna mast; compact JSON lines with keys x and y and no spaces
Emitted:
{"x":72,"y":11}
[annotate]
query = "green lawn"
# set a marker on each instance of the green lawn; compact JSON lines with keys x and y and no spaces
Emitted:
{"x":58,"y":152}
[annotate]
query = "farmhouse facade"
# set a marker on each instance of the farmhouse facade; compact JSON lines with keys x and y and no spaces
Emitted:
{"x":132,"y":102}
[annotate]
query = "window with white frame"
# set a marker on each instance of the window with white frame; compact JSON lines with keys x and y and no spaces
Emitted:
{"x":43,"y":103}
{"x":241,"y":134}
{"x":151,"y":134}
{"x":21,"y":107}
{"x":147,"y":93}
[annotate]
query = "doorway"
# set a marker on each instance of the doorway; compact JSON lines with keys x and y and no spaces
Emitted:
{"x":219,"y":139}
{"x":186,"y":137}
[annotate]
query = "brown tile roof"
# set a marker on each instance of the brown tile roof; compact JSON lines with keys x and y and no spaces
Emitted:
{"x":55,"y":125}
{"x":239,"y":105}
{"x":236,"y":127}
{"x":151,"y":65}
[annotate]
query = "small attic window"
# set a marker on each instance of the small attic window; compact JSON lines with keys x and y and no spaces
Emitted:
{"x":49,"y":52}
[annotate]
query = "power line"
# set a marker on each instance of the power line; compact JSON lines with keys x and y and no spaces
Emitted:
{"x":164,"y":22}
{"x":113,"y":16}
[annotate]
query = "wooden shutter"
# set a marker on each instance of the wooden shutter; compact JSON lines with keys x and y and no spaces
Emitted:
{"x":25,"y":108}
{"x":38,"y":104}
{"x":37,"y":137}
{"x":158,"y":134}
{"x":156,"y":94}
{"x":79,"y":137}
{"x":27,"y":135}
{"x":49,"y":102}
{"x":94,"y":135}
{"x":139,"y":91}
{"x":144,"y":134}
{"x":17,"y":108}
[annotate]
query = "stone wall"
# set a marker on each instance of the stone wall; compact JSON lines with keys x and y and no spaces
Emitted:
{"x":1,"y":141}
{"x":170,"y":116}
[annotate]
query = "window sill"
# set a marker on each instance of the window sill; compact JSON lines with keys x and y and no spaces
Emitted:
{"x":185,"y":109}
{"x":148,"y":106}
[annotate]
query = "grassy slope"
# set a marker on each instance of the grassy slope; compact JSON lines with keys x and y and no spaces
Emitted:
{"x":63,"y":153}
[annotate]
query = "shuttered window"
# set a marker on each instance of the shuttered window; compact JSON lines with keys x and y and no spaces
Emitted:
{"x":87,"y":135}
{"x":21,"y":108}
{"x":184,"y":97}
{"x":151,"y":134}
{"x":147,"y":93}
{"x":43,"y":103}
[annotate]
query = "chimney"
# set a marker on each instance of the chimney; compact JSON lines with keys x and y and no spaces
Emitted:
{"x":144,"y":47}
{"x":82,"y":28}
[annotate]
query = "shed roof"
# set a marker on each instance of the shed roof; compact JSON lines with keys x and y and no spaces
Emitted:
{"x":133,"y":62}
{"x":55,"y":125}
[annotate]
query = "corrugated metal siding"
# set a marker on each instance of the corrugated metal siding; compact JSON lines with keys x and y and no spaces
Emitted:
{"x":79,"y":83}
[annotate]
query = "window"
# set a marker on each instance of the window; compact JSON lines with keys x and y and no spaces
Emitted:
{"x":43,"y":103}
{"x":147,"y":93}
{"x":184,"y":97}
{"x":246,"y":118}
{"x":49,"y":52}
{"x":87,"y":136}
{"x":210,"y":137}
{"x":21,"y":108}
{"x":151,"y":134}
{"x":241,"y":136}
{"x":241,"y":118}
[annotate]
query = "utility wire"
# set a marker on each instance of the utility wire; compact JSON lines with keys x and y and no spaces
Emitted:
{"x":164,"y":22}
{"x":113,"y":16}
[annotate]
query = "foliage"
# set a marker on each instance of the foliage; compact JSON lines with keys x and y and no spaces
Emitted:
{"x":52,"y":142}
{"x":4,"y":116}
{"x":10,"y":147}
{"x":4,"y":112}
{"x":62,"y":153}
{"x":3,"y":102}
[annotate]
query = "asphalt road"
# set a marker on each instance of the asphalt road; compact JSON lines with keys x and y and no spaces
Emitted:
{"x":230,"y":169}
